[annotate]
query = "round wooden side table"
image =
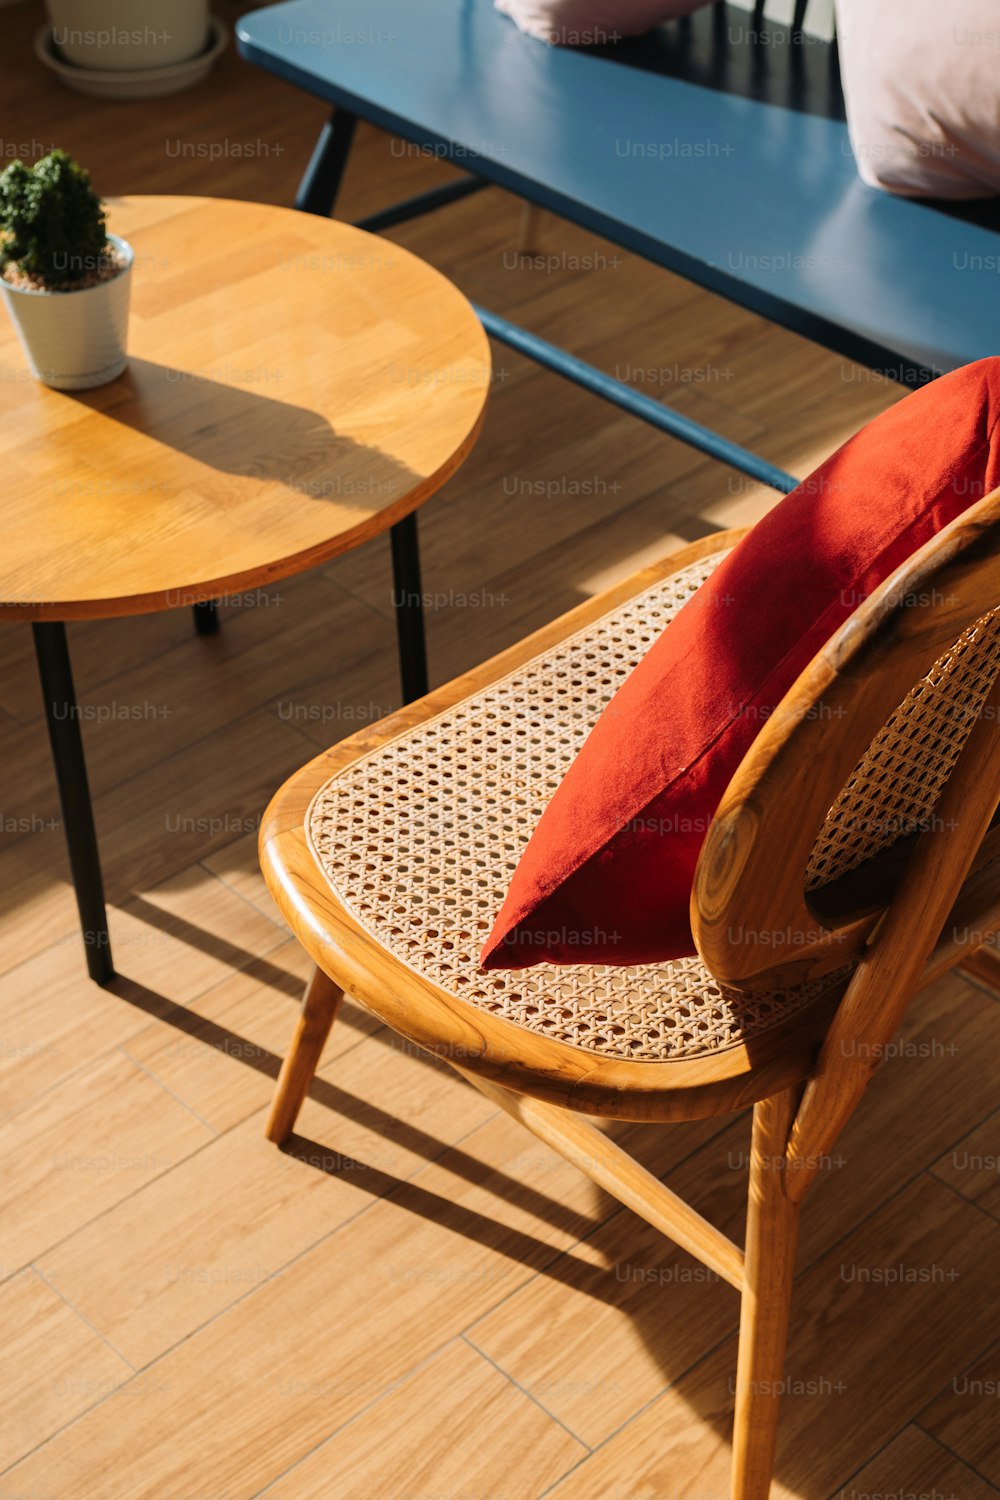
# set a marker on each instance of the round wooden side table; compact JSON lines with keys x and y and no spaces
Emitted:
{"x":295,"y":386}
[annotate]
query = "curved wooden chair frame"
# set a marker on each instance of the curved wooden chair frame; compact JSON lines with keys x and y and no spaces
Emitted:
{"x":894,"y":925}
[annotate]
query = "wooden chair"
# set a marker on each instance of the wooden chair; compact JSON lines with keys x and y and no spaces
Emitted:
{"x":853,"y":859}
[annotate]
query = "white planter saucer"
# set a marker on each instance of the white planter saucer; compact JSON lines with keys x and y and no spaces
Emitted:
{"x":137,"y":83}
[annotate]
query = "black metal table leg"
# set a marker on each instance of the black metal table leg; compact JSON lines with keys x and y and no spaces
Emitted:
{"x":317,"y":191}
{"x":63,"y":719}
{"x":408,"y":602}
{"x":206,"y":617}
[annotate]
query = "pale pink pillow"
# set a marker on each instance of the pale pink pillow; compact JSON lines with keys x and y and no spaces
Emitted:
{"x":589,"y":23}
{"x":922,"y":87}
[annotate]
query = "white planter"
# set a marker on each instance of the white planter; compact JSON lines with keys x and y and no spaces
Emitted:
{"x":122,"y":35}
{"x":74,"y":340}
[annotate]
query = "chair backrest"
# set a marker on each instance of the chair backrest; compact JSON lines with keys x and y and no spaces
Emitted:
{"x":822,"y":819}
{"x":774,"y":53}
{"x":816,"y":15}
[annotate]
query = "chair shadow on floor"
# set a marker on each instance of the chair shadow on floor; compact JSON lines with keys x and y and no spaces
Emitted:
{"x":341,"y":1101}
{"x":598,"y":1226}
{"x":682,"y":1314}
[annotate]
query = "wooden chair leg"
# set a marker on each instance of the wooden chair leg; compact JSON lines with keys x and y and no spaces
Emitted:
{"x":772,"y":1231}
{"x":320,"y":1005}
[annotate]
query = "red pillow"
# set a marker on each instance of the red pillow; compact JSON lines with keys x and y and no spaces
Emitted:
{"x":607,"y":874}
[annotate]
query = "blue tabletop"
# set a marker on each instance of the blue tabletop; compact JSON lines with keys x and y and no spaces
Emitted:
{"x":752,"y":200}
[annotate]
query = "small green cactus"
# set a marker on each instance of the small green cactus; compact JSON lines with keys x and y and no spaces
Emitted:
{"x":52,"y":221}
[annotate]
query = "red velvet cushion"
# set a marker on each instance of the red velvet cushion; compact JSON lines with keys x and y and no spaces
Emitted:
{"x":607,"y":874}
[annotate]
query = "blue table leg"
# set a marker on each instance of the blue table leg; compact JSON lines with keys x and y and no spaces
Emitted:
{"x":423,"y":203}
{"x":608,"y":388}
{"x":321,"y":181}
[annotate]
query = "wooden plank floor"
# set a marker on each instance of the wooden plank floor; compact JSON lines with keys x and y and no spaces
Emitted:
{"x":418,"y":1300}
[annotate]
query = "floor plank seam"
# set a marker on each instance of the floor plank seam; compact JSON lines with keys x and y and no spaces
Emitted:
{"x":730,"y":1334}
{"x":986,"y":1119}
{"x":707,"y":1354}
{"x":808,"y":1265}
{"x":269,"y":916}
{"x":974,"y":1360}
{"x":573,"y":1469}
{"x":302,"y":733}
{"x":362,"y":1411}
{"x":83,"y":1319}
{"x":153,"y":1078}
{"x":837,"y":1492}
{"x":525,"y":1392}
{"x":969,"y":1202}
{"x":989,"y":1213}
{"x":956,"y":1456}
{"x":385,"y":616}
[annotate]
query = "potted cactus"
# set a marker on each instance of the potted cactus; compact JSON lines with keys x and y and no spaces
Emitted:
{"x":64,"y":279}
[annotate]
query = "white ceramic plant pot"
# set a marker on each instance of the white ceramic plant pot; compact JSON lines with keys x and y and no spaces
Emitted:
{"x":74,"y":340}
{"x":123,"y":35}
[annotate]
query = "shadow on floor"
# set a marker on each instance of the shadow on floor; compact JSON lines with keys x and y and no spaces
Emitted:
{"x":601,"y":1231}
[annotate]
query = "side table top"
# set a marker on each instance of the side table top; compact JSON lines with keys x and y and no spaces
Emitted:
{"x":294,"y":387}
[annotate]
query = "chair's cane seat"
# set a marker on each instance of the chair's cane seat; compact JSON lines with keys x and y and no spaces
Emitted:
{"x":418,"y":840}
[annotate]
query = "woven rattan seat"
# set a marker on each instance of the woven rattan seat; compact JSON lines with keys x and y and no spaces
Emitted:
{"x":420,"y":840}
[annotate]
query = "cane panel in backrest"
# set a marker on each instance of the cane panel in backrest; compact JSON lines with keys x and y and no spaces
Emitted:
{"x":815,"y":829}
